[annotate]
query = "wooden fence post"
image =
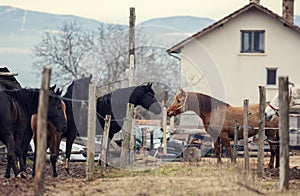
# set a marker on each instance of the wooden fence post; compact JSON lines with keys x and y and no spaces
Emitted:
{"x":104,"y":144}
{"x":235,"y":142}
{"x":246,"y":150}
{"x":42,"y":133}
{"x":164,"y":126}
{"x":91,"y":132}
{"x":284,"y":133}
{"x":261,"y":131}
{"x":131,"y":78}
{"x":127,"y":136}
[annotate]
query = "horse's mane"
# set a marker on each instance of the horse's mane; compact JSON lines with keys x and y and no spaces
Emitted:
{"x":25,"y":97}
{"x":69,"y":91}
{"x":208,"y":103}
{"x":105,"y":98}
{"x":9,"y":84}
{"x":130,"y":94}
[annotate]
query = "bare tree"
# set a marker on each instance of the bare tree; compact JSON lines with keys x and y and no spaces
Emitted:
{"x":110,"y":56}
{"x":73,"y":52}
{"x":65,"y":51}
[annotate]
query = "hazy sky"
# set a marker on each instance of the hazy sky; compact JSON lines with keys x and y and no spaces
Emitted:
{"x":117,"y":11}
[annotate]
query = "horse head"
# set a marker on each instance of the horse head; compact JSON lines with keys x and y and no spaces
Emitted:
{"x":81,"y":88}
{"x":178,"y":104}
{"x":144,"y":95}
{"x":56,"y":111}
{"x":272,"y":108}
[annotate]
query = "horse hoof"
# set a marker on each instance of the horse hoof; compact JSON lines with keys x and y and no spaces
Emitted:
{"x":7,"y":176}
{"x":22,"y":175}
{"x":68,"y":170}
{"x":54,"y":175}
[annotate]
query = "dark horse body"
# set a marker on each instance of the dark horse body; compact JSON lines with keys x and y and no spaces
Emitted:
{"x":53,"y":140}
{"x":17,"y":107}
{"x":115,"y":104}
{"x":75,"y":99}
{"x":219,"y":119}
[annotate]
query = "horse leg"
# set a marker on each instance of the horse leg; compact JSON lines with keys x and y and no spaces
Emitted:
{"x":11,"y":157}
{"x":70,"y":140}
{"x":217,"y":145}
{"x":19,"y":153}
{"x":226,"y":143}
{"x":54,"y":149}
{"x":273,"y":154}
{"x":27,"y":136}
{"x":277,"y":152}
{"x":34,"y":155}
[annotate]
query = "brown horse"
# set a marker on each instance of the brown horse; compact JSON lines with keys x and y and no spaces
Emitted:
{"x":219,"y":120}
{"x":53,"y":139}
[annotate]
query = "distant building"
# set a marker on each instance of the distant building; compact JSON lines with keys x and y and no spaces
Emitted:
{"x":250,"y":47}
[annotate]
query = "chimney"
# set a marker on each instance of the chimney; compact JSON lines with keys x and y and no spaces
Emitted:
{"x":254,"y":1}
{"x":288,"y":10}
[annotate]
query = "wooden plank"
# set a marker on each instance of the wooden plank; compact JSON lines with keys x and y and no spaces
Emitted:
{"x":91,"y":133}
{"x":104,"y":145}
{"x":284,"y":133}
{"x":246,"y":150}
{"x":42,"y":133}
{"x":261,"y":131}
{"x":147,"y":122}
{"x":8,"y":74}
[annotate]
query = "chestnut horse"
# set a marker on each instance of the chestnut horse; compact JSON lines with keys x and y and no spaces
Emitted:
{"x":219,"y":119}
{"x":53,"y":140}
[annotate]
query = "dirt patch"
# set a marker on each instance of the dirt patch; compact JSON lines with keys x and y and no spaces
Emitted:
{"x":177,"y":178}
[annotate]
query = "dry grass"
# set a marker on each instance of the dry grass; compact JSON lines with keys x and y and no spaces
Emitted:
{"x":201,"y":178}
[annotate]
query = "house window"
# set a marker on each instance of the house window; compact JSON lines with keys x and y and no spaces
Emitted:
{"x":271,"y":76}
{"x":253,"y":42}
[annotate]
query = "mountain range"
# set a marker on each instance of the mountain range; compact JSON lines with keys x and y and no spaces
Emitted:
{"x":22,"y":29}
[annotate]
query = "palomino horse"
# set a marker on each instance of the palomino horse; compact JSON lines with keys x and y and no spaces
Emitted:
{"x":53,"y":140}
{"x":219,"y":119}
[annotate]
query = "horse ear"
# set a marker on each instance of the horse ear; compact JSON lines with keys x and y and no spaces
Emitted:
{"x":52,"y":88}
{"x":181,"y":91}
{"x":149,"y":84}
{"x":59,"y":92}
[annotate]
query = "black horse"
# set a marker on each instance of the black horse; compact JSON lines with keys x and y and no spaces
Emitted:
{"x":115,"y":104}
{"x":75,"y":100}
{"x":17,"y":107}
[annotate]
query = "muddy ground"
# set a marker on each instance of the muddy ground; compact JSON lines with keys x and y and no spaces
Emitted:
{"x":151,"y":177}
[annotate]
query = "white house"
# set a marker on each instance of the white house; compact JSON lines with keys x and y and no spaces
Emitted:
{"x":232,"y":57}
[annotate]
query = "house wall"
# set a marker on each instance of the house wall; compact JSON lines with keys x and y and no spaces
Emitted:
{"x":214,"y":65}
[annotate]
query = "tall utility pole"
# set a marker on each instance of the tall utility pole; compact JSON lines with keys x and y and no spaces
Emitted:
{"x":131,"y":76}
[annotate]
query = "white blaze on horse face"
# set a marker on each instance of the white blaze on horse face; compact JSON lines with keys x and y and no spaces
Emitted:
{"x":269,"y":111}
{"x":294,"y":95}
